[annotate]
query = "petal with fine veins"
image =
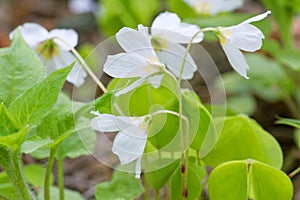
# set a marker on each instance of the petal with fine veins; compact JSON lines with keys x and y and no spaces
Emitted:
{"x":135,"y":41}
{"x":131,"y":87}
{"x":172,"y":57}
{"x":32,"y":33}
{"x":67,"y":35}
{"x":256,"y":18}
{"x":236,"y":59}
{"x":111,"y":123}
{"x":245,"y":36}
{"x":128,"y":65}
{"x":77,"y":75}
{"x":129,"y":147}
{"x":168,"y":26}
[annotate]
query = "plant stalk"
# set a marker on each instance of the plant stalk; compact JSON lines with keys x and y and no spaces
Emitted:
{"x":48,"y":174}
{"x":60,"y":172}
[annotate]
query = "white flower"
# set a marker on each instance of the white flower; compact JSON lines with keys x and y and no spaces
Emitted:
{"x":83,"y":6}
{"x":243,"y":36}
{"x":130,"y":142}
{"x":167,"y":31}
{"x":212,"y":7}
{"x":53,"y":53}
{"x":139,"y":60}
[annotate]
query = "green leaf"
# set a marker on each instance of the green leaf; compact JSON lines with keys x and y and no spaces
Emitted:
{"x":141,"y":101}
{"x":58,"y":129}
{"x":248,"y":179}
{"x":7,"y":190}
{"x":291,"y":122}
{"x":242,"y":138}
{"x":194,"y":187}
{"x":35,"y":175}
{"x":20,"y":68}
{"x":159,"y":171}
{"x":69,"y":194}
{"x":14,"y":140}
{"x":7,"y":124}
{"x":200,"y":120}
{"x":30,"y":107}
{"x":122,"y":186}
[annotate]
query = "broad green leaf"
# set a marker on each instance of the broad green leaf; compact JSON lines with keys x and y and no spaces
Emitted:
{"x":59,"y":123}
{"x":291,"y":122}
{"x":35,"y":175}
{"x":141,"y":101}
{"x":194,"y":186}
{"x":122,"y":186}
{"x":7,"y":190}
{"x":58,"y":130}
{"x":243,"y":138}
{"x":30,"y":107}
{"x":229,"y":181}
{"x":7,"y":124}
{"x":20,"y":69}
{"x":200,"y":120}
{"x":14,"y":140}
{"x":158,"y":172}
{"x":248,"y":179}
{"x":69,"y":194}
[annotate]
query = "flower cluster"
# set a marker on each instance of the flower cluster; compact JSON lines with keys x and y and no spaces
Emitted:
{"x":53,"y":49}
{"x":152,"y":52}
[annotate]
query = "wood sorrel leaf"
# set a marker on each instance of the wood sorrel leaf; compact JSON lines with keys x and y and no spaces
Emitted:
{"x":248,"y":179}
{"x":194,"y":186}
{"x":69,"y":194}
{"x":20,"y":69}
{"x":159,"y":172}
{"x":242,"y":138}
{"x":122,"y":186}
{"x":36,"y":102}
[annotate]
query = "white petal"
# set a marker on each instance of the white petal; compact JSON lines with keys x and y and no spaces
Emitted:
{"x":68,"y":35}
{"x":63,"y":59}
{"x":131,"y":87}
{"x":77,"y":75}
{"x":135,"y":41}
{"x":128,"y":65}
{"x":32,"y":33}
{"x":82,"y":6}
{"x":129,"y":147}
{"x":172,"y":57}
{"x":143,"y":29}
{"x":217,"y":6}
{"x":138,"y":167}
{"x":155,"y":81}
{"x":168,"y":26}
{"x":111,"y":123}
{"x":257,"y":18}
{"x":236,"y":59}
{"x":245,"y":36}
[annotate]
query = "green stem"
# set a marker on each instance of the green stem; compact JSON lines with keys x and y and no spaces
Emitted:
{"x":48,"y":173}
{"x":60,"y":172}
{"x":18,"y":178}
{"x":84,"y":65}
{"x":293,"y":173}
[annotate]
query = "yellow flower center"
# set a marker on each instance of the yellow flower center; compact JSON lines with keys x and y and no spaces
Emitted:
{"x":158,"y":43}
{"x":47,"y":49}
{"x":223,"y":35}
